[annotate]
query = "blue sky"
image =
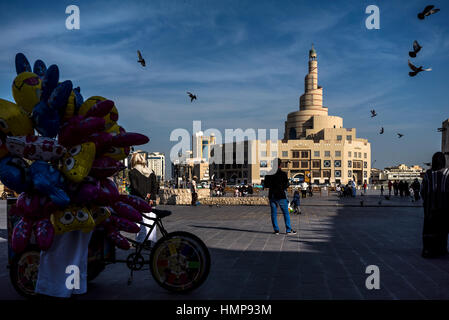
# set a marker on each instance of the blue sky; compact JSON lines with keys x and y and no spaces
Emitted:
{"x":246,"y":61}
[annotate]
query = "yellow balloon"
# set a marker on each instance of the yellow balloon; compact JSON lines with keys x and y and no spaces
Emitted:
{"x":26,"y":90}
{"x":78,"y":160}
{"x":110,"y":119}
{"x":13,"y":120}
{"x":72,"y":218}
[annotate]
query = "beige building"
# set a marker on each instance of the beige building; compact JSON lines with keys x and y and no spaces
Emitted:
{"x":156,"y":163}
{"x":398,"y":173}
{"x":445,"y":140}
{"x":316,"y":147}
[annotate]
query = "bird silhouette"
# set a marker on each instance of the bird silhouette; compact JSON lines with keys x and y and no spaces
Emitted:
{"x":416,"y":70}
{"x":373,"y":113}
{"x":141,"y":59}
{"x":427,"y":12}
{"x":382,"y":130}
{"x":400,"y":135}
{"x":192,"y":96}
{"x":442,"y":129}
{"x":427,"y":164}
{"x":416,"y":49}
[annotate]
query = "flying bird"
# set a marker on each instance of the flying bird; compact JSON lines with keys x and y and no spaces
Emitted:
{"x":141,"y":59}
{"x":192,"y":96}
{"x":427,"y":12}
{"x":400,"y":135}
{"x":416,"y":70}
{"x":427,"y":164}
{"x":416,"y":49}
{"x":442,"y":129}
{"x":382,"y":130}
{"x":373,"y":113}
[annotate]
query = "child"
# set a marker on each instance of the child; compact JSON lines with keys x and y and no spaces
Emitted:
{"x":296,"y":202}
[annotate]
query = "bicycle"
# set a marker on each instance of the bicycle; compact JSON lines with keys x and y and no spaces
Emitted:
{"x":179,"y":261}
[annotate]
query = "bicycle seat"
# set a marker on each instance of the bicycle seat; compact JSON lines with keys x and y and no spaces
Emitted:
{"x":161,"y":213}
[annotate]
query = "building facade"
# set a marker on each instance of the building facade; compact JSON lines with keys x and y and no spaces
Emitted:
{"x":156,"y":163}
{"x":316,"y":148}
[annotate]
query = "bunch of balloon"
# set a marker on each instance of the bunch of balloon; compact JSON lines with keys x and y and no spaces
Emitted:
{"x":59,"y":153}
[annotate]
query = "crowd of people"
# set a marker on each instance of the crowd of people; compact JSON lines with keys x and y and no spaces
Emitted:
{"x":403,"y":189}
{"x":243,"y":190}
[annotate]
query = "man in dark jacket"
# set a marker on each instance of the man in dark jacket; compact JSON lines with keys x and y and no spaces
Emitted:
{"x":278,"y":184}
{"x":435,"y":195}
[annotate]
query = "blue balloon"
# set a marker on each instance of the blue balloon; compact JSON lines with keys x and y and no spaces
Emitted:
{"x":49,"y":181}
{"x":14,"y":174}
{"x":22,"y":63}
{"x":46,"y":120}
{"x":60,"y":95}
{"x":39,"y":68}
{"x":49,"y":82}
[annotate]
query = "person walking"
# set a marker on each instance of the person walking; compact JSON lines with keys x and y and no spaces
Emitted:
{"x":395,"y":188}
{"x":142,"y":185}
{"x":390,"y":185}
{"x":364,"y":188}
{"x":296,"y":202}
{"x":415,"y":187}
{"x":435,"y":195}
{"x":194,"y":190}
{"x":278,"y":184}
{"x":382,"y":190}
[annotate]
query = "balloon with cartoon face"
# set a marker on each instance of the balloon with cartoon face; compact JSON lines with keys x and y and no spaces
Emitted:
{"x":110,"y":118}
{"x":78,"y":160}
{"x":13,"y":120}
{"x":35,"y":148}
{"x":73,"y":103}
{"x":72,"y":218}
{"x":100,"y":214}
{"x":26,"y":90}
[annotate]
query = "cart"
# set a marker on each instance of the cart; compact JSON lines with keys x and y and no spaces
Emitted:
{"x":178,"y":262}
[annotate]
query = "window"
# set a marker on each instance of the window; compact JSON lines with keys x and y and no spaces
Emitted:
{"x":365,"y":155}
{"x":337,"y":163}
{"x":339,"y":138}
{"x":326,"y":173}
{"x":338,"y":153}
{"x":304,"y":164}
{"x":284,"y":164}
{"x":263,"y":164}
{"x":274,"y":153}
{"x":360,"y":155}
{"x":245,"y":174}
{"x":327,"y":153}
{"x":349,"y":164}
{"x":295,"y":154}
{"x":337,"y":173}
{"x":349,"y":154}
{"x":316,"y":154}
{"x":316,"y":173}
{"x":263,"y":153}
{"x":285,"y":154}
{"x":316,"y":163}
{"x":326,"y":163}
{"x":304,"y":154}
{"x":365,"y":164}
{"x":349,"y":174}
{"x":295,"y":164}
{"x":365,"y":174}
{"x":349,"y":138}
{"x":357,"y":164}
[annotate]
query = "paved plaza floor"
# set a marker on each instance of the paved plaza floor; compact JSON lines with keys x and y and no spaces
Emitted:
{"x":327,"y":259}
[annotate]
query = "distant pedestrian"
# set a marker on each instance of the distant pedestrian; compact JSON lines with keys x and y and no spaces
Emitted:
{"x":296,"y":202}
{"x":364,"y":188}
{"x":396,"y":188}
{"x":194,"y":190}
{"x":416,"y":187}
{"x":382,"y":190}
{"x":390,"y":185}
{"x":401,"y":188}
{"x":277,"y":195}
{"x":304,"y":189}
{"x":435,"y":194}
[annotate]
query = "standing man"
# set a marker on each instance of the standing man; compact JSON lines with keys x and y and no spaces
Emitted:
{"x":278,"y":184}
{"x":390,"y":185}
{"x":194,"y":190}
{"x":416,"y":186}
{"x":435,"y":194}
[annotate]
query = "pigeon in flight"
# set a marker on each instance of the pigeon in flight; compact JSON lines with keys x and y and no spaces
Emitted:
{"x":192,"y":96}
{"x":141,"y":59}
{"x":416,"y":70}
{"x":442,"y":129}
{"x":400,"y":135}
{"x":416,"y":49}
{"x":427,"y":12}
{"x":373,"y":113}
{"x":382,"y":130}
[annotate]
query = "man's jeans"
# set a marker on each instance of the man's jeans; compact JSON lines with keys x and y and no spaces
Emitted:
{"x":283,"y":204}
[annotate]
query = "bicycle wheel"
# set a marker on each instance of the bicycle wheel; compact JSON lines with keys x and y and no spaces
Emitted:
{"x":180,"y":262}
{"x":23,"y":272}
